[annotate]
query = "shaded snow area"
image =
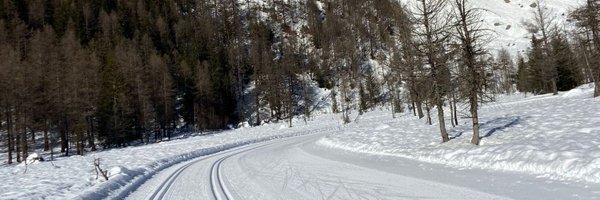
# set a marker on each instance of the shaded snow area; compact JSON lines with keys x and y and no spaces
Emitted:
{"x":75,"y":177}
{"x":553,"y":137}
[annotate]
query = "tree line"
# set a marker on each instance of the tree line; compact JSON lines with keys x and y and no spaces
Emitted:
{"x":81,"y":71}
{"x":559,"y":60}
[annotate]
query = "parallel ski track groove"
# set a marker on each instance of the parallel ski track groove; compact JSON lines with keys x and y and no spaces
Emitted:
{"x":165,"y":186}
{"x":161,"y":191}
{"x":216,"y":179}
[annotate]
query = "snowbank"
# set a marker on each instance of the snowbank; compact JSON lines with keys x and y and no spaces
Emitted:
{"x":557,"y":137}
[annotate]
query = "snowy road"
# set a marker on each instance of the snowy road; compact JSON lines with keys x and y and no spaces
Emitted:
{"x":289,"y":169}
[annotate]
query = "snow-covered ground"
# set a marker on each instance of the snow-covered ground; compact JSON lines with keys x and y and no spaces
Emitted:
{"x":554,"y":137}
{"x":544,"y":144}
{"x":69,"y":177}
{"x":378,"y":157}
{"x":296,"y":168}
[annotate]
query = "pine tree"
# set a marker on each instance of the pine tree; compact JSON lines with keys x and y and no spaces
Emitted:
{"x":536,"y":64}
{"x":569,"y":76}
{"x":523,"y":80}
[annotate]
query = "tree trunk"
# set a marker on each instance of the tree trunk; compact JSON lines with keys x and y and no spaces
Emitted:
{"x":475,"y":117}
{"x":257,"y":101}
{"x":79,"y":140}
{"x":413,"y":108}
{"x":32,"y":137}
{"x":554,"y":87}
{"x":166,"y":118}
{"x":24,"y":146}
{"x":168,"y":134}
{"x":64,"y":138}
{"x":307,"y":105}
{"x":52,"y":149}
{"x":17,"y":145}
{"x":23,"y":142}
{"x":442,"y":121}
{"x":334,"y":106}
{"x":452,"y":114}
{"x":597,"y":89}
{"x":455,"y":110}
{"x":428,"y":114}
{"x":393,"y":107}
{"x":90,"y":134}
{"x":9,"y":135}
{"x":420,"y":110}
{"x":291,"y":99}
{"x":46,"y":142}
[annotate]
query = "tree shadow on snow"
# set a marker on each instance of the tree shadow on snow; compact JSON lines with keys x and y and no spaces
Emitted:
{"x":489,"y":128}
{"x":499,"y":124}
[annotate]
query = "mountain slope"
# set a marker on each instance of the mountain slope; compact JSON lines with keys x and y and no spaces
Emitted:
{"x":505,"y":18}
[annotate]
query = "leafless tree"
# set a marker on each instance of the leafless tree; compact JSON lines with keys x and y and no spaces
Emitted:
{"x":471,"y":34}
{"x":433,"y":30}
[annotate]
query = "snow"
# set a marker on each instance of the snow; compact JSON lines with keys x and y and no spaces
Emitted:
{"x":75,"y":176}
{"x":33,"y":158}
{"x":308,"y":176}
{"x":377,"y":162}
{"x":502,"y":15}
{"x":551,"y":137}
{"x":504,"y":18}
{"x":581,"y":91}
{"x":555,"y":137}
{"x":291,"y":168}
{"x":530,"y":144}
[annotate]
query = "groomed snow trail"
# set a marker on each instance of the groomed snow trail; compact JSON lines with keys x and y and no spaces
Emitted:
{"x":285,"y":169}
{"x":167,"y":184}
{"x":302,"y":167}
{"x":296,"y":168}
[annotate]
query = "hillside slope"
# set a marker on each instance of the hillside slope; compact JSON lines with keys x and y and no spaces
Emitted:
{"x":505,"y":18}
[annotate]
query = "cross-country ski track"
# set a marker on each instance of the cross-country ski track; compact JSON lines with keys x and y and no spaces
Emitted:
{"x":296,"y":168}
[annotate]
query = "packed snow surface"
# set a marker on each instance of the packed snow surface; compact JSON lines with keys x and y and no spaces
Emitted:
{"x":556,"y":137}
{"x":291,"y":169}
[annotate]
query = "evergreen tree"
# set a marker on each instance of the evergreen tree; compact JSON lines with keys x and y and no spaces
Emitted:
{"x":523,"y":84}
{"x":536,"y":65}
{"x":569,"y":76}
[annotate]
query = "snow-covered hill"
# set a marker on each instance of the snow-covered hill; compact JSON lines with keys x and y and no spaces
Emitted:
{"x":505,"y":19}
